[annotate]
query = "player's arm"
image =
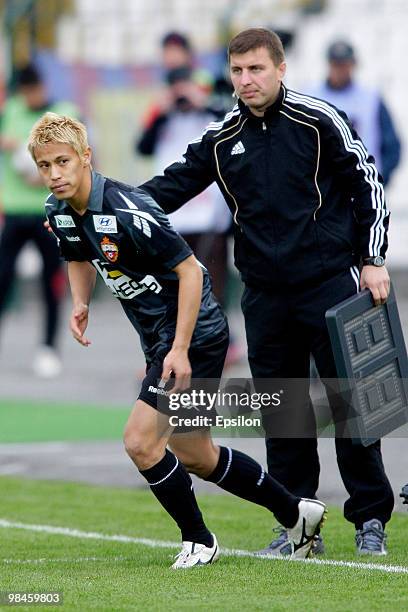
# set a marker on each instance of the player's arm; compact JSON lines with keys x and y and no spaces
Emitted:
{"x":82,"y":276}
{"x":189,"y":299}
{"x":356,"y":168}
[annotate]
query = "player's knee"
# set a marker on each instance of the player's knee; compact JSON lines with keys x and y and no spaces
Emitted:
{"x":142,"y":452}
{"x":200,"y":466}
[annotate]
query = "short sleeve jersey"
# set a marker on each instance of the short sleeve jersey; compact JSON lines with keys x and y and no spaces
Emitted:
{"x":127,"y":237}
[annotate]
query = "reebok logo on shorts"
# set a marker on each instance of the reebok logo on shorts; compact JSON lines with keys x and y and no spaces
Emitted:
{"x":156,"y":390}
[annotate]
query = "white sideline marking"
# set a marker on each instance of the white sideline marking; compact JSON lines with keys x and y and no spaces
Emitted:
{"x":64,"y":560}
{"x":229,"y":552}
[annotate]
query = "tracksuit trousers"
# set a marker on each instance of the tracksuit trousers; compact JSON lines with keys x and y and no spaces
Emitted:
{"x":284,"y":326}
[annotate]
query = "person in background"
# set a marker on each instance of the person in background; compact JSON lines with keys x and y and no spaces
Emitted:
{"x":22,"y":196}
{"x":364,"y":107}
{"x":179,"y":116}
{"x":204,"y":222}
{"x":176,"y":51}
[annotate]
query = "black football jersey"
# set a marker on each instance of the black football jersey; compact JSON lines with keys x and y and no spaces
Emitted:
{"x":127,"y":237}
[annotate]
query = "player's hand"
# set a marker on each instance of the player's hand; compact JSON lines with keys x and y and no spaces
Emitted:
{"x":48,"y":227}
{"x":79,"y":322}
{"x":177,"y":361}
{"x":377,"y":281}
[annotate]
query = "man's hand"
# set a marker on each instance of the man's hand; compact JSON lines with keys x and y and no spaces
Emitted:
{"x":79,"y":322}
{"x":177,"y":361}
{"x":377,"y":280}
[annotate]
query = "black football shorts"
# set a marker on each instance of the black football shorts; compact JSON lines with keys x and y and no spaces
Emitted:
{"x":207,"y":363}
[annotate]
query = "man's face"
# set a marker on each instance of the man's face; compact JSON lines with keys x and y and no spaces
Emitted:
{"x":63,"y":171}
{"x":256,"y":79}
{"x":35,"y":96}
{"x":174,"y":56}
{"x":340,"y":73}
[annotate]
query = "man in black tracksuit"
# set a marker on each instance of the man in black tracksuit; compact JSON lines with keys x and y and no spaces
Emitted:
{"x":308,"y":206}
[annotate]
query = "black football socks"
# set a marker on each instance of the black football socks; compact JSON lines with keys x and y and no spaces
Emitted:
{"x":172,"y":485}
{"x":241,"y":475}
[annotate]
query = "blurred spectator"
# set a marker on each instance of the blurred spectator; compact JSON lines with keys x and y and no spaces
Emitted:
{"x":365,"y":107}
{"x":179,"y":116}
{"x":176,"y":51}
{"x":205,"y":220}
{"x":22,"y":196}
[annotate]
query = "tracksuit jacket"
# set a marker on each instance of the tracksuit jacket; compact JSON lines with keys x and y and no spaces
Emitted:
{"x":306,"y":198}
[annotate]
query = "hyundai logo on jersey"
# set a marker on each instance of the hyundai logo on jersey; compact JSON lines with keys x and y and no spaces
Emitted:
{"x":105,"y":224}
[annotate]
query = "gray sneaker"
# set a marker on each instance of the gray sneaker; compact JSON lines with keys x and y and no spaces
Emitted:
{"x":371,"y":539}
{"x":404,"y":494}
{"x":281,"y":547}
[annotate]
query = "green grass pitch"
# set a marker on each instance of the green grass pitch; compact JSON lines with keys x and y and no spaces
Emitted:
{"x":94,"y":574}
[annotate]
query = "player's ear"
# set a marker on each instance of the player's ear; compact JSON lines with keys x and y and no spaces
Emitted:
{"x":87,"y":156}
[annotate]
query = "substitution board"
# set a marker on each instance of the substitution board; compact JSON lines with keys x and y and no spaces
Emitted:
{"x":372,"y":365}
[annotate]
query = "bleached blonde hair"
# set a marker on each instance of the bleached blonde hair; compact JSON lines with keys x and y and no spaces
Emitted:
{"x":52,"y":128}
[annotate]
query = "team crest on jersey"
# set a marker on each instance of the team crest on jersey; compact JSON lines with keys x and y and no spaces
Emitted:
{"x":109,"y":249}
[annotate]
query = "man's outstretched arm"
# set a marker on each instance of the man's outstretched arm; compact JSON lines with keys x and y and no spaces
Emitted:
{"x":183,"y":179}
{"x":82,"y":276}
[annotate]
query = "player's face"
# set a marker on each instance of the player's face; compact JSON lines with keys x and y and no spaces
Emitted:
{"x":63,"y":171}
{"x":256,"y":79}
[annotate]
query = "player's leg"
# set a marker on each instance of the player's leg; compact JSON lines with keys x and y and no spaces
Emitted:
{"x":146,"y":435}
{"x":236,"y":473}
{"x":241,"y":475}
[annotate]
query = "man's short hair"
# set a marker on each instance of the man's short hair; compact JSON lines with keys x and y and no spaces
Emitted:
{"x":52,"y":128}
{"x":176,"y":38}
{"x":255,"y":38}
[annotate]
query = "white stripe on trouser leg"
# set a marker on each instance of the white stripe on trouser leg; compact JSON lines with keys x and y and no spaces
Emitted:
{"x":228,"y":466}
{"x":356,"y":276}
{"x":262,"y":476}
{"x":153,"y":484}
